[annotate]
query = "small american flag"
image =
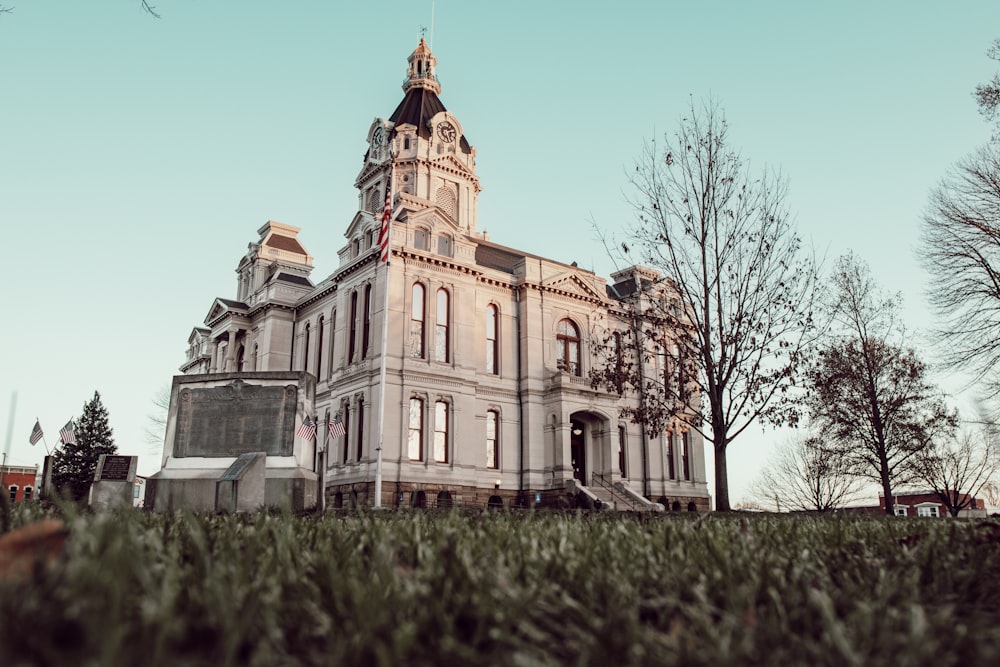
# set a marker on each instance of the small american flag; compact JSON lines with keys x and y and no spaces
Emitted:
{"x":36,"y":433}
{"x":307,"y":430}
{"x":383,"y":233}
{"x":68,"y":433}
{"x":336,"y":427}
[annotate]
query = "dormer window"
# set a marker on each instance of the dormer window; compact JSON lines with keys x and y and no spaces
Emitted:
{"x":444,"y":245}
{"x":355,"y":248}
{"x":421,"y":239}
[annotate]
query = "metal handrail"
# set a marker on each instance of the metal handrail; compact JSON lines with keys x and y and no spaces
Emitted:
{"x":603,"y":482}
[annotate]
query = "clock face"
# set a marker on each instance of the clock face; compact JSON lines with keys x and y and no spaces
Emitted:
{"x":378,"y":137}
{"x":447,"y":132}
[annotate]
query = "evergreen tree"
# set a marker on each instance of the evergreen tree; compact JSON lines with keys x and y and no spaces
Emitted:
{"x":73,"y":464}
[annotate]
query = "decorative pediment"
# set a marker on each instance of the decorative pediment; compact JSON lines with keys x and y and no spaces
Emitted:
{"x":451,"y":163}
{"x":434,"y":219}
{"x":362,"y":219}
{"x":222,"y":307}
{"x":569,"y":282}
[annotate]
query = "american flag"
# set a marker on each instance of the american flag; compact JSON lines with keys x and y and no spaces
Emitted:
{"x":36,"y":433}
{"x":307,"y":430}
{"x":383,"y":233}
{"x":336,"y":427}
{"x":68,"y":433}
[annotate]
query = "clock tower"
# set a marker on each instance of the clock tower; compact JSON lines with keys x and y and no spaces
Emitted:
{"x":433,"y":166}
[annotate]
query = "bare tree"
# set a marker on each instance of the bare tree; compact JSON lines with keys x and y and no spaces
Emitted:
{"x":156,"y":421}
{"x":961,"y":248}
{"x":729,"y":305}
{"x":988,"y":94}
{"x":959,"y":468}
{"x":868,"y":394}
{"x":802,"y":475}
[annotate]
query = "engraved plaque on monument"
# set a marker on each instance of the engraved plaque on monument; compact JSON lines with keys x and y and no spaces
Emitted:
{"x":235,"y":419}
{"x":115,"y":468}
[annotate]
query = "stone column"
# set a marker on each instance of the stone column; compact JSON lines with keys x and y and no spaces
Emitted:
{"x":214,"y":364}
{"x":231,"y":352}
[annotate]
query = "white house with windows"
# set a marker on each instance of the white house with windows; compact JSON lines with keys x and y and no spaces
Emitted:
{"x":486,"y":393}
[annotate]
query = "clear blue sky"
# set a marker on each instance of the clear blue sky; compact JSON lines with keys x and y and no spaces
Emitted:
{"x":139,"y":156}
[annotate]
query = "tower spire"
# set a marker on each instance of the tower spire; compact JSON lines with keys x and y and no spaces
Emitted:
{"x":421,"y":71}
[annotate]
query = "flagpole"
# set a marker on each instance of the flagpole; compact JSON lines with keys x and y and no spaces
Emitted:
{"x":387,"y":215}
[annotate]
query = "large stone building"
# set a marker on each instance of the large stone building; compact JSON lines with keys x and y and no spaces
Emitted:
{"x":486,"y":393}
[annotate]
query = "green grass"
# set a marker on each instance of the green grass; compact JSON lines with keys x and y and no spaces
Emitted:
{"x":493,"y":589}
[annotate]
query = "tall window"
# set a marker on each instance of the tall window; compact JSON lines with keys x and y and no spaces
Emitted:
{"x":620,"y":362}
{"x":417,"y":322}
{"x":671,"y":466}
{"x":444,"y":245}
{"x":333,"y":341}
{"x":28,"y":490}
{"x":622,"y":445}
{"x":347,"y":432}
{"x":667,"y":377}
{"x":415,"y":435}
{"x":366,"y":327}
{"x":492,"y":438}
{"x":319,"y":349}
{"x":441,"y":327}
{"x":351,"y":342}
{"x":305,"y":352}
{"x":361,"y":428}
{"x":568,"y":347}
{"x":492,"y":323}
{"x":686,"y":455}
{"x":13,"y":493}
{"x":421,"y":239}
{"x":441,"y":432}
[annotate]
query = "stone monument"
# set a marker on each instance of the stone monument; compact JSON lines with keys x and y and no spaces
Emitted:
{"x":213,"y":420}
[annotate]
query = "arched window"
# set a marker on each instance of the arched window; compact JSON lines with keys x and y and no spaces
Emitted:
{"x":366,"y":326}
{"x":28,"y":490}
{"x":352,"y":341}
{"x":421,"y":239}
{"x":305,"y":349}
{"x":338,"y":500}
{"x":319,"y":349}
{"x":568,"y":347}
{"x":13,"y":493}
{"x":417,"y":322}
{"x":445,"y":200}
{"x":256,"y":358}
{"x":415,"y":434}
{"x":240,"y":359}
{"x":492,"y":326}
{"x":492,"y":439}
{"x":361,"y":428}
{"x":441,"y":342}
{"x":441,"y":432}
{"x":444,"y":499}
{"x":420,"y":499}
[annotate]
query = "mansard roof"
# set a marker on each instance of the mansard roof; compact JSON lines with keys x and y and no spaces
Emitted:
{"x":419,"y":105}
{"x":291,"y":278}
{"x":288,"y":243}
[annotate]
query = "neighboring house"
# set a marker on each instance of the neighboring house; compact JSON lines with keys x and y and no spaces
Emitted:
{"x":487,"y":396}
{"x":20,"y":483}
{"x":928,"y":503}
